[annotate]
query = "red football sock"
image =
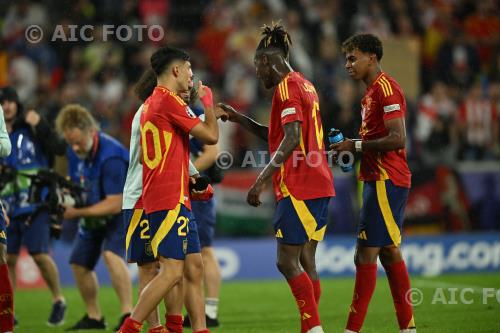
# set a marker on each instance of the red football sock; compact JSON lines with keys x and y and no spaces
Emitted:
{"x":366,"y":279}
{"x":174,"y":323}
{"x":317,"y":290}
{"x":203,"y":331}
{"x":302,"y":290}
{"x":130,"y":326}
{"x":397,"y":274}
{"x":6,"y":301}
{"x":158,"y":329}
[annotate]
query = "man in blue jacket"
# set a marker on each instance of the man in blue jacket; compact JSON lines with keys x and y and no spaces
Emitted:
{"x":99,"y":164}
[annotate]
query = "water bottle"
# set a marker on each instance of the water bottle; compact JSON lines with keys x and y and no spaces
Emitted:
{"x":335,"y":136}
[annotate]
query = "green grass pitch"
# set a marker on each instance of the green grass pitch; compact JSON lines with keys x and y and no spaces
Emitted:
{"x":267,"y":306}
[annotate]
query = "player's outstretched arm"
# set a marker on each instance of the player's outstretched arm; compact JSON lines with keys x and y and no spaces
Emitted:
{"x":229,"y":113}
{"x":206,"y":131}
{"x":285,"y":149}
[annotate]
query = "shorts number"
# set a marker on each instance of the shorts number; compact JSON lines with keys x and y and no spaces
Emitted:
{"x":144,"y":224}
{"x":183,"y":228}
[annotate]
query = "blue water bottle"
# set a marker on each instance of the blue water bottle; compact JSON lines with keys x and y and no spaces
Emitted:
{"x":335,"y":136}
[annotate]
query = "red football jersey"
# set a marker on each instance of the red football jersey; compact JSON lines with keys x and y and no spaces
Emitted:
{"x":165,"y":124}
{"x":305,"y":174}
{"x":383,"y":100}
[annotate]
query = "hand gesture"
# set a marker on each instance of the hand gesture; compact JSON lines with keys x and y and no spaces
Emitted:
{"x":205,"y":95}
{"x":253,"y":197}
{"x":225,"y":112}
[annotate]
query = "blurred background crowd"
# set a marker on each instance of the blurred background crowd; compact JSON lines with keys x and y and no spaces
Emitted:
{"x":453,"y":95}
{"x":452,"y":116}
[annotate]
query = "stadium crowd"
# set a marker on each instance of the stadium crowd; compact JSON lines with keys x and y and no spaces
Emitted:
{"x":453,"y":118}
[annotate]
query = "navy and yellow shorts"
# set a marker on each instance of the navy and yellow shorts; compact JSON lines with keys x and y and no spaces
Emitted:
{"x":298,"y":221}
{"x":381,"y":220}
{"x":169,"y":231}
{"x":193,"y":237}
{"x":90,"y":243}
{"x":138,"y":239}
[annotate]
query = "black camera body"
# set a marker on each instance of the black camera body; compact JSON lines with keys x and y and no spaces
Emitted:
{"x":54,"y":192}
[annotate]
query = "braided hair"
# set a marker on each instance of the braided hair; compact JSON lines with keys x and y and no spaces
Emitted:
{"x":275,"y":36}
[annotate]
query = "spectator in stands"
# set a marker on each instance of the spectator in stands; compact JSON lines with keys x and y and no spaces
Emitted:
{"x":457,"y":61}
{"x":435,"y":131}
{"x":478,"y":127}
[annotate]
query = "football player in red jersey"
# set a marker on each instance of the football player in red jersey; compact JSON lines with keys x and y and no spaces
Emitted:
{"x":166,"y":124}
{"x":302,"y":180}
{"x":386,"y":178}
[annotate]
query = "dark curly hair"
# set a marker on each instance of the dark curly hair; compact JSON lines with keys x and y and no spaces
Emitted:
{"x":366,"y":43}
{"x":275,"y":36}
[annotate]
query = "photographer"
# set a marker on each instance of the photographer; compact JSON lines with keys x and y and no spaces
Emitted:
{"x":98,"y":163}
{"x":33,"y":148}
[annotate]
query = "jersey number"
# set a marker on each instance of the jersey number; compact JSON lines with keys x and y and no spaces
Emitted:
{"x":317,"y":126}
{"x":144,"y":229}
{"x":183,"y":228}
{"x":158,"y":157}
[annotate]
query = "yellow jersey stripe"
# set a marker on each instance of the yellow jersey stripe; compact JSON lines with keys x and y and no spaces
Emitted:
{"x":388,"y":84}
{"x":384,"y":89}
{"x":181,"y":198}
{"x":383,"y":172}
{"x":134,"y":222}
{"x":283,"y":188}
{"x":164,"y":229}
{"x":286,"y":88}
{"x":177,"y":98}
{"x":385,"y":208}
{"x":305,"y":216}
{"x":282,"y":95}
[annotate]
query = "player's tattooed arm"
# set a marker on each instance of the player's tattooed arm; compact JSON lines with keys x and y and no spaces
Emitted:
{"x":290,"y":140}
{"x":227,"y":112}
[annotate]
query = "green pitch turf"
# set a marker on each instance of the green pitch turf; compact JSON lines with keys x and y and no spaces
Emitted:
{"x":267,"y":306}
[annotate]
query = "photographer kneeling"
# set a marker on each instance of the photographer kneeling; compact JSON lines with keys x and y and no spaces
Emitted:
{"x":97,"y":163}
{"x":34,"y":144}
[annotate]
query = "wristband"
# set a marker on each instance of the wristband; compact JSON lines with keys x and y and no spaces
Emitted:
{"x":358,"y":146}
{"x":207,"y":99}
